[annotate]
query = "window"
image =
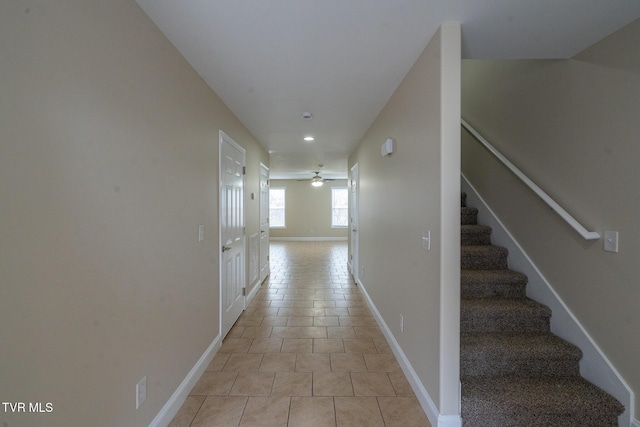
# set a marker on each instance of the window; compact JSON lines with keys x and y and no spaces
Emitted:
{"x":276,"y":208}
{"x":339,"y":207}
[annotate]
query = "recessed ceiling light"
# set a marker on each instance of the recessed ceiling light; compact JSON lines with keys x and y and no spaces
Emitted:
{"x":309,"y":138}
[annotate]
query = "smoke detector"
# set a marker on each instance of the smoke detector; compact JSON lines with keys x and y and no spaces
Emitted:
{"x":307,"y":116}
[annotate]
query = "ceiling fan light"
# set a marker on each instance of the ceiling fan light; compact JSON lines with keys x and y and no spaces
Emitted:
{"x":317,"y":182}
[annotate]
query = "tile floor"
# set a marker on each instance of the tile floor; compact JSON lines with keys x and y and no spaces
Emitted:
{"x":306,"y":352}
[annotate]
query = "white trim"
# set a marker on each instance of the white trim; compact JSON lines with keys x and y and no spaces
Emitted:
{"x":264,"y":273}
{"x":449,"y":247}
{"x":421,"y":393}
{"x":353,"y":182}
{"x":224,"y":138}
{"x":635,"y":423}
{"x":309,"y":239}
{"x":354,"y":220}
{"x":256,"y":280}
{"x":171,"y":408}
{"x":254,"y":290}
{"x":594,"y":365}
{"x":449,"y":421}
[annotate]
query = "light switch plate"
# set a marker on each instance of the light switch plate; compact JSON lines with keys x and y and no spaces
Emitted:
{"x":141,"y":392}
{"x":611,"y":241}
{"x":200,"y":233}
{"x":426,"y":239}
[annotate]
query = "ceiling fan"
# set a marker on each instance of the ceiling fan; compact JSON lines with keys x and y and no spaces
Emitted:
{"x":316,"y":180}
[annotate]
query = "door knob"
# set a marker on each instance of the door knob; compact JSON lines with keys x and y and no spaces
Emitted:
{"x":225,"y":248}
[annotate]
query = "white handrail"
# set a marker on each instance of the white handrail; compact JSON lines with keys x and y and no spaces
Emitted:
{"x":587,"y":235}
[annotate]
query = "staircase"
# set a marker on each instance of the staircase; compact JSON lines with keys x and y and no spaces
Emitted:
{"x":514,"y":371}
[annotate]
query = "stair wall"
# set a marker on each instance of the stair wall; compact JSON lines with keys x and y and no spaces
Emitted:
{"x":594,"y":366}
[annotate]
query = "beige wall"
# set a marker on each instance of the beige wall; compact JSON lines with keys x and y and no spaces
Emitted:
{"x":109,"y":144}
{"x":308,"y":210}
{"x":573,"y":127}
{"x":415,"y":189}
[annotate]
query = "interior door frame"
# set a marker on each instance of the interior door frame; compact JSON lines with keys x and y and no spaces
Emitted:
{"x":354,"y":234}
{"x":262,"y":276}
{"x":224,"y":138}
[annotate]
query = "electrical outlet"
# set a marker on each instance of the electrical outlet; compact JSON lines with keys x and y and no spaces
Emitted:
{"x":401,"y":323}
{"x":141,"y":392}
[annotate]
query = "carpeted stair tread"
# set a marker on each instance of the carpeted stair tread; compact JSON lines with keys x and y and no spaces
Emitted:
{"x":483,"y":257}
{"x":523,"y":355}
{"x":474,"y":234}
{"x":510,"y":402}
{"x":492,"y":284}
{"x":510,"y":316}
{"x":468,"y":216}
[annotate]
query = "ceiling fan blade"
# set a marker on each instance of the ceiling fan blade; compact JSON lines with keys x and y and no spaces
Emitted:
{"x":315,"y":176}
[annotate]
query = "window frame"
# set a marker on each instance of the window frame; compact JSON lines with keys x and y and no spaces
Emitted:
{"x":284,"y":208}
{"x":333,"y":208}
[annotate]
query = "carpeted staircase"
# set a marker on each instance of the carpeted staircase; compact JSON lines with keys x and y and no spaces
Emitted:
{"x":514,"y":371}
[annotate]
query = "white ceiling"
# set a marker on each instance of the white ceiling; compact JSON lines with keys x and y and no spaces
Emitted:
{"x":272,"y":60}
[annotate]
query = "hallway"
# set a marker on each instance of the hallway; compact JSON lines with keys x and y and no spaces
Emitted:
{"x":306,"y":352}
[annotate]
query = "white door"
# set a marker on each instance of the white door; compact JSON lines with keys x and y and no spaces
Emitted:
{"x":353,"y":222}
{"x":264,"y":222}
{"x":232,"y":240}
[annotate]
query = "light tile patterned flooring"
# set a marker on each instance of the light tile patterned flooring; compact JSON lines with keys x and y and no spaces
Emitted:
{"x":306,"y":352}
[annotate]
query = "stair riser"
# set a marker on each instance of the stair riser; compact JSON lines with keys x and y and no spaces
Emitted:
{"x":503,"y":324}
{"x":475,"y":238}
{"x":519,"y":419}
{"x":488,"y":290}
{"x":483,"y":260}
{"x":492,"y":284}
{"x":468,"y":216}
{"x":493,"y":365}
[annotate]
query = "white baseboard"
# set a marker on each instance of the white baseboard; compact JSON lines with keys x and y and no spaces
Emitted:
{"x":252,"y":293}
{"x":449,"y":421}
{"x":594,"y":365}
{"x":421,"y":393}
{"x":309,"y":239}
{"x":171,"y":408}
